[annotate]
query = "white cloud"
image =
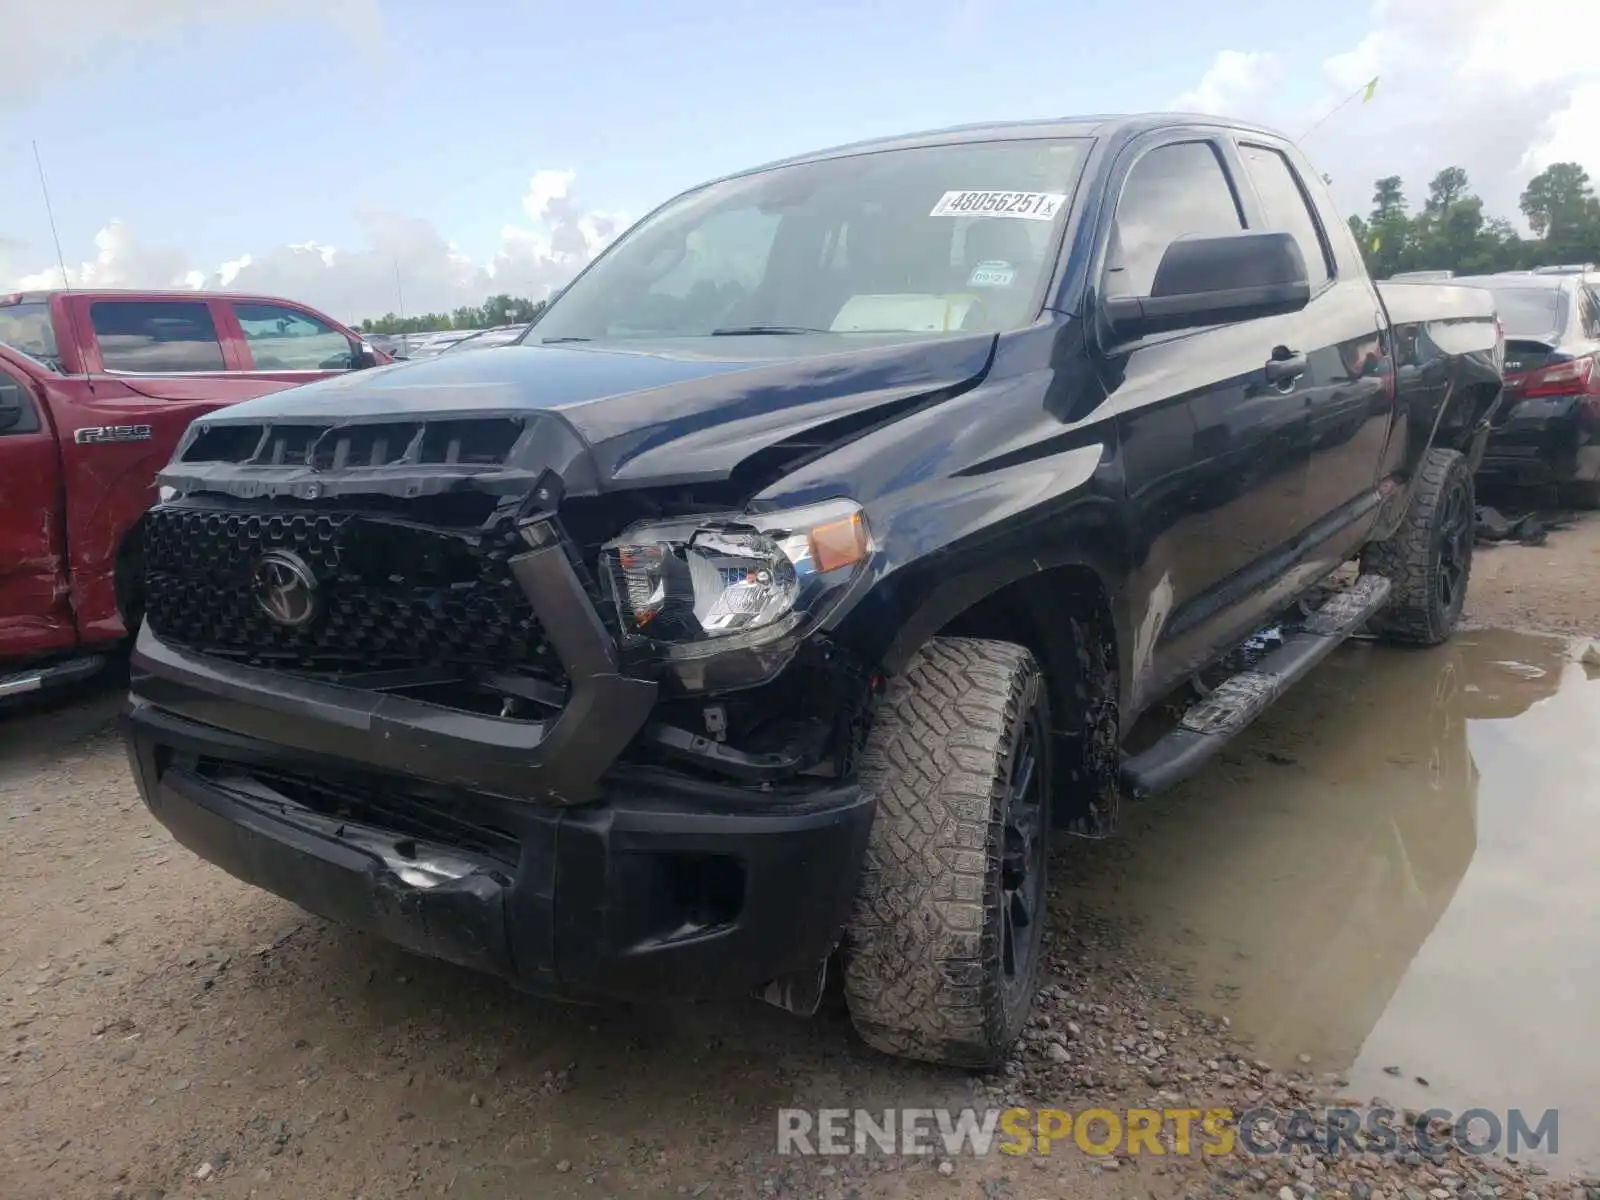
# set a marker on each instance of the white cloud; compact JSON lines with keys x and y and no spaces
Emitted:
{"x":554,"y":238}
{"x":46,"y":41}
{"x":119,"y":261}
{"x":1501,"y":88}
{"x":1232,"y":84}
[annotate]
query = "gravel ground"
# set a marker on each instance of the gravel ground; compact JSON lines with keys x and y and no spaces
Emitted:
{"x":170,"y":1032}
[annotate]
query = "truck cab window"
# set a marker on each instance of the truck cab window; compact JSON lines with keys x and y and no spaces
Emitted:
{"x":286,"y":339}
{"x":1172,"y":192}
{"x":1286,"y":207}
{"x":156,"y":337}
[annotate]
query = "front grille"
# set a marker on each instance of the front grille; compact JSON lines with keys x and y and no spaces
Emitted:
{"x":391,"y":595}
{"x":463,"y":441}
{"x":397,"y":807}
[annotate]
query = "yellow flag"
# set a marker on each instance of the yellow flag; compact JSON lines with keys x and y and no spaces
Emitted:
{"x":1377,"y":244}
{"x":1372,"y":86}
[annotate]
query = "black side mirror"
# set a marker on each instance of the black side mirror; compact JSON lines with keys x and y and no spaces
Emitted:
{"x":13,"y":406}
{"x":1213,"y":281}
{"x":362,"y":356}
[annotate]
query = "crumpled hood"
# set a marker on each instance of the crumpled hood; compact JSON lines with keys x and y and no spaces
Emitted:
{"x":654,"y":412}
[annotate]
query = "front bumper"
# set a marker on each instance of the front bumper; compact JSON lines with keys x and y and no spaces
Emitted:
{"x":660,"y":887}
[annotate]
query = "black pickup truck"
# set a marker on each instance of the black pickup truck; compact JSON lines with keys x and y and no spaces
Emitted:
{"x":810,"y":559}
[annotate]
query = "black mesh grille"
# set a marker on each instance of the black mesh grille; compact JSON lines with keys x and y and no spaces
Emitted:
{"x":391,"y":595}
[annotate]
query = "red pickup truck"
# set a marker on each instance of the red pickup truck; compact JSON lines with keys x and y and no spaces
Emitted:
{"x":96,"y":387}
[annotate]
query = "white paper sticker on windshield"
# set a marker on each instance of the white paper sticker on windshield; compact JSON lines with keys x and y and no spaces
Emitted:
{"x":992,"y":272}
{"x":902,"y":314}
{"x":1030,"y":206}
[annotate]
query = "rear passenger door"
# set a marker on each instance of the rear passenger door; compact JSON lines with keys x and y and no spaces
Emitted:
{"x":1215,"y":457}
{"x":1346,"y":391}
{"x":143,"y":338}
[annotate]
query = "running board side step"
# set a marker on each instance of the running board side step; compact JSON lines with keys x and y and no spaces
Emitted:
{"x":40,"y":678}
{"x":1212,"y":723}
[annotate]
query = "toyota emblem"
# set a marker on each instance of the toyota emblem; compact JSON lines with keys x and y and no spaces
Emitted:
{"x":285,"y":589}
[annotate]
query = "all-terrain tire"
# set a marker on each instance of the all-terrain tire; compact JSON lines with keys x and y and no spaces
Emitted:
{"x":927,"y":973}
{"x":1579,"y":494}
{"x":1428,"y":559}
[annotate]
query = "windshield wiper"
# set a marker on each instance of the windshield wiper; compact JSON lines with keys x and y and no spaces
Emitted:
{"x":757,"y":330}
{"x":559,"y":340}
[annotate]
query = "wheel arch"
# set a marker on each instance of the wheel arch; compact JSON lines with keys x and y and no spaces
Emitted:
{"x":1067,"y":614}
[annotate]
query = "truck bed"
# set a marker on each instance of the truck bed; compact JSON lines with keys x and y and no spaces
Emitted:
{"x":1410,"y":303}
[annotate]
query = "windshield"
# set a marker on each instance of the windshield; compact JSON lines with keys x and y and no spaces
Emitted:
{"x":28,"y":328}
{"x":940,"y":239}
{"x":1529,"y":312}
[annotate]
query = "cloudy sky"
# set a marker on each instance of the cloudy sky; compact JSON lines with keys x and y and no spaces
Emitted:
{"x":312,"y":147}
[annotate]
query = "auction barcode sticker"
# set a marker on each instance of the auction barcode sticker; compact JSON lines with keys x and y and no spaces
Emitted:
{"x":1030,"y":206}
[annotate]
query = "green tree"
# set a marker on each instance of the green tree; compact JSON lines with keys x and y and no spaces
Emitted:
{"x":1389,"y":246}
{"x":496,"y":310}
{"x":1448,"y":186}
{"x":1558,"y":200}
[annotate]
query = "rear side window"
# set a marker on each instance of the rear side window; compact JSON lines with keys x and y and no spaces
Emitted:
{"x":28,"y":327}
{"x":1530,"y":312}
{"x":156,"y":337}
{"x":1172,"y":192}
{"x":289,"y":339}
{"x":1286,"y":208}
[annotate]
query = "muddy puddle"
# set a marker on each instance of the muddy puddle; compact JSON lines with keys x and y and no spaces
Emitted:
{"x":1394,"y":874}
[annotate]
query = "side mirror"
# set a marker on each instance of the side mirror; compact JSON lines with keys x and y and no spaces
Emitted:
{"x":362,"y":356}
{"x":12,"y":406}
{"x":1213,"y":281}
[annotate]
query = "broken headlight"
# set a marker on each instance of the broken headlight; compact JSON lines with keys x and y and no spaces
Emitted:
{"x":692,"y":588}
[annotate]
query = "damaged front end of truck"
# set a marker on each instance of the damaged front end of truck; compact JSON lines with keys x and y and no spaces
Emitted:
{"x":584,"y":736}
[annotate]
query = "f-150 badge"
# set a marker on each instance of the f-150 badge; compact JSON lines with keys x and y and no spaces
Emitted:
{"x":94,"y":435}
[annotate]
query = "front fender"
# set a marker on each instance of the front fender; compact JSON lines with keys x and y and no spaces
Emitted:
{"x":911,"y":603}
{"x":1017,"y":476}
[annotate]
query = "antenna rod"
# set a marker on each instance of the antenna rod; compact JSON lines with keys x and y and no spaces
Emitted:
{"x":1366,"y":90}
{"x":61,"y":259}
{"x":400,"y":304}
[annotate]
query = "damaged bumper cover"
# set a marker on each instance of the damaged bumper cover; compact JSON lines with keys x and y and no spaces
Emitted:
{"x":660,"y":887}
{"x":518,"y":847}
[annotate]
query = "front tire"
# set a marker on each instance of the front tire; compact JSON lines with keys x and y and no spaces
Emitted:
{"x":943,"y":951}
{"x":1428,"y":560}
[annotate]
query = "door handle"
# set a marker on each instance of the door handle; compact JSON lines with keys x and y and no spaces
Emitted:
{"x":1285,"y":365}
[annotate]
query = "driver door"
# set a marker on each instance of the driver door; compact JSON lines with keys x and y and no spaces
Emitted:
{"x":1216,"y":458}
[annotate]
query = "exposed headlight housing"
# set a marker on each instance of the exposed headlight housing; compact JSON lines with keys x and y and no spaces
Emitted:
{"x":701,"y":587}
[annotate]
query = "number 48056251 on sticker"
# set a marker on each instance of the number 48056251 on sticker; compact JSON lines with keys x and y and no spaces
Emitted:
{"x":1030,"y":206}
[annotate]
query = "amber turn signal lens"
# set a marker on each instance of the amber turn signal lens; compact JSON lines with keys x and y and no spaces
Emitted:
{"x":839,"y":543}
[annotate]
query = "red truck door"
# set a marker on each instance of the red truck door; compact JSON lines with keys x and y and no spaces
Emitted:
{"x":35,"y":614}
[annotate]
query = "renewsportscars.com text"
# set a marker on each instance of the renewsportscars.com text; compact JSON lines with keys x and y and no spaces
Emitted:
{"x":1180,"y":1131}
